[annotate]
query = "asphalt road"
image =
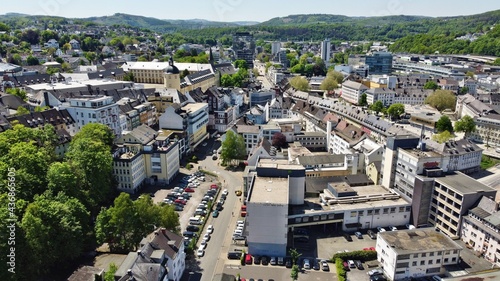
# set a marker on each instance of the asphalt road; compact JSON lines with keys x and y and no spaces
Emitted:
{"x":216,"y":251}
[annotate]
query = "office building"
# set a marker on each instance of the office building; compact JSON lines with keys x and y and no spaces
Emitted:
{"x":325,"y":50}
{"x":379,"y":62}
{"x":244,"y":47}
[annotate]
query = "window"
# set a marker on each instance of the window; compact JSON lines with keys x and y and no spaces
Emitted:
{"x":353,"y":214}
{"x":424,"y":255}
{"x":414,"y":263}
{"x":415,"y":255}
{"x":430,"y":262}
{"x":422,"y":262}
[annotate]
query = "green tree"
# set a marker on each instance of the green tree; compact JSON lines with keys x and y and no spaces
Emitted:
{"x":395,"y":110}
{"x":444,"y":124}
{"x":339,"y":77}
{"x":363,"y":101}
{"x":295,"y":255}
{"x":329,"y":84}
{"x":31,"y":60}
{"x":441,"y":100}
{"x":300,"y":83}
{"x":466,"y":124}
{"x":233,"y":148}
{"x":90,"y":153}
{"x":129,"y":76}
{"x":52,"y":70}
{"x":463,"y":90}
{"x":110,"y":274}
{"x":442,"y":137}
{"x":497,"y":61}
{"x":96,"y":131}
{"x":184,"y":73}
{"x":18,"y":92}
{"x":63,"y":177}
{"x":294,"y":274}
{"x":41,"y":108}
{"x":56,"y":228}
{"x":124,"y":224}
{"x":90,"y":56}
{"x":240,"y":64}
{"x":378,"y":106}
{"x":226,"y":80}
{"x":431,"y":85}
{"x":22,"y":111}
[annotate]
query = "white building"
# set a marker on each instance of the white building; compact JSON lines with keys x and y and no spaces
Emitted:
{"x":481,"y":229}
{"x":415,"y":253}
{"x":386,"y":96}
{"x":251,"y":135}
{"x":325,"y":50}
{"x":275,"y":47}
{"x":267,"y":221}
{"x":487,"y":130}
{"x":98,"y":109}
{"x":52,"y":43}
{"x":352,"y":91}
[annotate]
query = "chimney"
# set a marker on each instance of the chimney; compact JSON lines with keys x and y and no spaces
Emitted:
{"x":164,"y":231}
{"x":129,"y":272}
{"x":139,"y":253}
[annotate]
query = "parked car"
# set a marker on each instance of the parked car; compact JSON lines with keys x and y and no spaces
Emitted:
{"x":180,"y":201}
{"x":359,"y":264}
{"x":214,"y":186}
{"x":347,"y":237}
{"x":210,"y":229}
{"x":376,"y":271}
{"x":393,"y":228}
{"x":215,"y":213}
{"x":345,"y":264}
{"x":234,"y":255}
{"x":273,"y":261}
{"x":256,"y":259}
{"x":316,"y":265}
{"x":248,"y":259}
{"x":378,"y":278}
{"x":281,"y":261}
{"x":265,"y":260}
{"x":288,"y":263}
{"x":225,"y":192}
{"x":306,"y":264}
{"x":188,"y":189}
{"x":410,"y":226}
{"x":200,"y":252}
{"x":192,"y":228}
{"x":358,"y":235}
{"x":372,"y":234}
{"x":351,"y":263}
{"x":206,"y":236}
{"x":380,"y":229}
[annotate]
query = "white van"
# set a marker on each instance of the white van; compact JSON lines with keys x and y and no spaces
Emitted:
{"x":195,"y":220}
{"x":238,"y":232}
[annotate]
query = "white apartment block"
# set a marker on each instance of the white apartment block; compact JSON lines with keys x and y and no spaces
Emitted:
{"x":129,"y":169}
{"x":415,"y":253}
{"x":352,"y":91}
{"x":251,"y":135}
{"x":386,"y":96}
{"x":101,"y":110}
{"x":412,"y":96}
{"x":481,"y":230}
{"x":487,"y":130}
{"x":452,"y":198}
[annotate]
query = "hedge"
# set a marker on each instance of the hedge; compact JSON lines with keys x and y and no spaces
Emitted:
{"x":341,"y":274}
{"x":356,"y":255}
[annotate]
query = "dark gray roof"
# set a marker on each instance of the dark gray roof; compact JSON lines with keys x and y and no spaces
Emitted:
{"x":463,"y":183}
{"x":224,"y":68}
{"x":11,"y":101}
{"x":108,"y":73}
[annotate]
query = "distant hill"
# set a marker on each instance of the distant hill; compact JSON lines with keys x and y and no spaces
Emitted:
{"x":331,"y":19}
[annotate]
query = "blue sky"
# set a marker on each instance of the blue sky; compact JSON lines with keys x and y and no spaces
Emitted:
{"x":249,"y":10}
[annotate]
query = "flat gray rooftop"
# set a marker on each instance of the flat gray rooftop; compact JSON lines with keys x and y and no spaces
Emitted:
{"x":463,"y":183}
{"x":270,"y":190}
{"x":418,"y":240}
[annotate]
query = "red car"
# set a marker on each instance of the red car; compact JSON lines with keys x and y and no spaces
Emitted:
{"x":372,"y":249}
{"x":214,"y":186}
{"x":188,"y":189}
{"x":181,"y":201}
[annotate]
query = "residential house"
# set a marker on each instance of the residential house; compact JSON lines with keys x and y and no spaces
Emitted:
{"x":161,"y":257}
{"x":469,"y":105}
{"x":52,"y":43}
{"x":487,"y":130}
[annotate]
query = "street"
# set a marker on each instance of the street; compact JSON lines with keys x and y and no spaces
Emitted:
{"x":216,"y":252}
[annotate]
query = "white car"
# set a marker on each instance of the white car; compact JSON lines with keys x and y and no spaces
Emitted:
{"x":210,"y":229}
{"x":307,"y":265}
{"x":202,"y":246}
{"x":225,"y":192}
{"x":203,"y":242}
{"x":206,"y":236}
{"x":200,"y":252}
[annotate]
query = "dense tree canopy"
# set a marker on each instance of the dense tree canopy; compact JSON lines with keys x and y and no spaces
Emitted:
{"x":395,"y":110}
{"x":466,"y":124}
{"x":300,"y":83}
{"x":444,"y":124}
{"x":124,"y":224}
{"x":441,"y":100}
{"x":233,"y":148}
